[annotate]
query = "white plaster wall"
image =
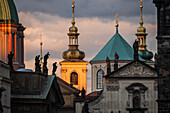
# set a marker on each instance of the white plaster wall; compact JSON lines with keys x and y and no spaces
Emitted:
{"x":79,"y":106}
{"x":117,"y":100}
{"x":95,"y":68}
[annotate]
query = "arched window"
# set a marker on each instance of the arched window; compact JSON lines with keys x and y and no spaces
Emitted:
{"x":100,"y":75}
{"x":74,"y":78}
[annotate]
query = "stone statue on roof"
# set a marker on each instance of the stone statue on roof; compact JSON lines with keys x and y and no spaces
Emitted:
{"x":37,"y":64}
{"x":45,"y":70}
{"x":54,"y":68}
{"x":135,"y":48}
{"x":10,"y":60}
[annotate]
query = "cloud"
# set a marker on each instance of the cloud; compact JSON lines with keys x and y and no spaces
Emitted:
{"x":87,"y":8}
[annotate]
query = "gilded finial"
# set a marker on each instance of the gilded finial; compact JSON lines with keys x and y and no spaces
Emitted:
{"x":41,"y":39}
{"x":117,"y":24}
{"x":41,"y":63}
{"x":141,"y":4}
{"x":73,"y":20}
{"x":141,"y":18}
{"x":73,"y":4}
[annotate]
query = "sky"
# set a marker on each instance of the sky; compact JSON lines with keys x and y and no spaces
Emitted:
{"x":95,"y":20}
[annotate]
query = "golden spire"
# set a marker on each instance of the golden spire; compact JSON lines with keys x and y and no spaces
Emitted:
{"x":117,"y":24}
{"x":141,"y":18}
{"x":73,"y":20}
{"x":41,"y":63}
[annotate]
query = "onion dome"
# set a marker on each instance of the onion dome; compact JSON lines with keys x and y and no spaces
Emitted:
{"x":8,"y":12}
{"x":145,"y":54}
{"x":73,"y":53}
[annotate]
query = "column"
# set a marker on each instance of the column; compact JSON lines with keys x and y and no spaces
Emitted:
{"x":22,"y":50}
{"x":9,"y":42}
{"x":15,"y":47}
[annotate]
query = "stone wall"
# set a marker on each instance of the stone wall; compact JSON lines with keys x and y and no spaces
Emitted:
{"x":163,"y":56}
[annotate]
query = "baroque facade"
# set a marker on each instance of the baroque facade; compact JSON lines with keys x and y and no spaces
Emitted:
{"x":129,"y":89}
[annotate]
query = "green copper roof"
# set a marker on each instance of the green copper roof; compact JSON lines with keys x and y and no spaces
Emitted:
{"x":115,"y":45}
{"x":8,"y":12}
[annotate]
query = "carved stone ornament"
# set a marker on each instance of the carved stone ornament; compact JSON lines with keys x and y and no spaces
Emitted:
{"x":137,"y":70}
{"x":112,"y":85}
{"x":64,"y":70}
{"x":84,"y":70}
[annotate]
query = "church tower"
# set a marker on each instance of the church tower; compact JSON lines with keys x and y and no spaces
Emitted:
{"x":74,"y":68}
{"x":11,"y":34}
{"x":141,"y":37}
{"x":163,"y":54}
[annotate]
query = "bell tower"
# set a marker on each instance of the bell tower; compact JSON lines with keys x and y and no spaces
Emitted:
{"x":11,"y":34}
{"x":141,"y":37}
{"x":74,"y":68}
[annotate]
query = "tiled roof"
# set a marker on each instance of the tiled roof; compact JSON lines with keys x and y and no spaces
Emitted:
{"x":43,"y":94}
{"x":118,"y":45}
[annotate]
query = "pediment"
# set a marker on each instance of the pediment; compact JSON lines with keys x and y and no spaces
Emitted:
{"x":136,"y":69}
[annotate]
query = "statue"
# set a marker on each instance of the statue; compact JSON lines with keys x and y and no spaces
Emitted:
{"x":108,"y":65}
{"x":45,"y":59}
{"x":10,"y":60}
{"x":116,"y":61}
{"x":83,"y":91}
{"x":37,"y":64}
{"x":135,"y":48}
{"x":54,"y":68}
{"x":45,"y":70}
{"x":1,"y":90}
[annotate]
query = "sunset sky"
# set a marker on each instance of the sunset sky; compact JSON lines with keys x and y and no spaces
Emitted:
{"x":95,"y":20}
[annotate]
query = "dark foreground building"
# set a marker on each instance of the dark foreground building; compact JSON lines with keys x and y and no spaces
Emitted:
{"x":35,"y":93}
{"x":163,"y":56}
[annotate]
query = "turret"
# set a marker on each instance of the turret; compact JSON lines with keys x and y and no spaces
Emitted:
{"x":141,"y":37}
{"x":73,"y":53}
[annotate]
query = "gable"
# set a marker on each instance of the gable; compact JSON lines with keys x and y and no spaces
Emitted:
{"x":136,"y":69}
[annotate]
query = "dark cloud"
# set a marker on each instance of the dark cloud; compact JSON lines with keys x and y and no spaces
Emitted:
{"x":86,"y":8}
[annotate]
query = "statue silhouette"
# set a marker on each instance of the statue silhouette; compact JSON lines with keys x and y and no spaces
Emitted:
{"x":10,"y":60}
{"x":54,"y":68}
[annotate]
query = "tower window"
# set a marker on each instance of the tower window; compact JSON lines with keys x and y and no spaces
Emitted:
{"x":74,"y":78}
{"x":100,"y":75}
